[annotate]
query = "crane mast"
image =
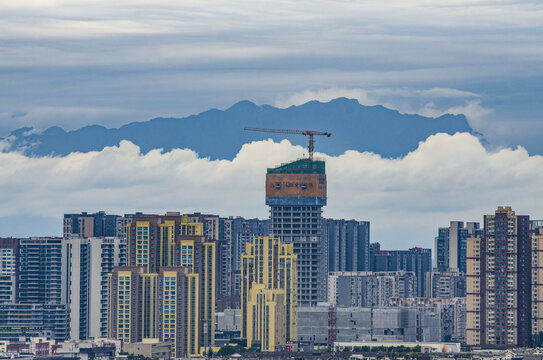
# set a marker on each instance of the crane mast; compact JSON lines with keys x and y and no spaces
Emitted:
{"x":310,"y":133}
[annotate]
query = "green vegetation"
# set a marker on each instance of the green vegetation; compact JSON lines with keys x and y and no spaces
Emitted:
{"x":230,"y":350}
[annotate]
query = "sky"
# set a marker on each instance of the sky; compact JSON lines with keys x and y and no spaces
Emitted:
{"x":73,"y":63}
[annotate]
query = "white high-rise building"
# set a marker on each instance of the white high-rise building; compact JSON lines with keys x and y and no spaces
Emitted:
{"x":89,"y":261}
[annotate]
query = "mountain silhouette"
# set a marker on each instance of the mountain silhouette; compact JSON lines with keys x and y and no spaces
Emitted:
{"x":219,"y":133}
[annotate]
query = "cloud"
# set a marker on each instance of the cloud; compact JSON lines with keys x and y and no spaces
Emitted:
{"x":325,"y":95}
{"x":406,"y":199}
{"x":143,"y":58}
{"x":432,"y":102}
{"x":447,"y":93}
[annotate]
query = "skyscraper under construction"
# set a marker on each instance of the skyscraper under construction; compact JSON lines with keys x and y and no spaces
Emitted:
{"x":296,"y":193}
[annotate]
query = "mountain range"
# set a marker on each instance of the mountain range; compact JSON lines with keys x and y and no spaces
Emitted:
{"x":220,"y":134}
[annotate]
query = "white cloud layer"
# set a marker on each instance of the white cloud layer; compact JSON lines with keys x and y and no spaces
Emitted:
{"x":406,"y":199}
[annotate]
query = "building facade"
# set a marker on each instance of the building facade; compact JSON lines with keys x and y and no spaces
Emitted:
{"x":499,"y":282}
{"x":348,"y":244}
{"x":90,"y":225}
{"x":324,"y":325}
{"x":269,"y":293}
{"x":89,"y":262}
{"x":417,"y":260}
{"x":451,"y":244}
{"x":24,"y":321}
{"x":366,"y":288}
{"x":167,"y":289}
{"x":9,"y":260}
{"x":450,"y":284}
{"x":296,"y":194}
{"x":33,"y":289}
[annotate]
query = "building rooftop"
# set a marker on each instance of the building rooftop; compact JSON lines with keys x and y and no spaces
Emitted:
{"x":301,"y":166}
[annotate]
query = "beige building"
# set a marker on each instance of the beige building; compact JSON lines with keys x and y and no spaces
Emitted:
{"x":150,"y":348}
{"x":498,"y":282}
{"x":268,"y":294}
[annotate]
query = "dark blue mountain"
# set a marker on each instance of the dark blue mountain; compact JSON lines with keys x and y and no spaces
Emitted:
{"x":219,"y":134}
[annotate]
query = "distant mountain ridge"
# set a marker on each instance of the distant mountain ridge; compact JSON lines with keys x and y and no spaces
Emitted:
{"x":219,"y":133}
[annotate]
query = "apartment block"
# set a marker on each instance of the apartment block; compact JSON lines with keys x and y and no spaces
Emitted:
{"x":450,"y":284}
{"x":269,"y":293}
{"x":366,"y":288}
{"x":167,"y":290}
{"x":85,"y":225}
{"x":9,"y":260}
{"x":451,"y":244}
{"x":347,"y":243}
{"x":417,"y":260}
{"x":499,"y":282}
{"x":89,"y":261}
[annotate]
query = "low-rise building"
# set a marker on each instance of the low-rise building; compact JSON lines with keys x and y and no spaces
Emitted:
{"x":366,"y":288}
{"x":150,"y":348}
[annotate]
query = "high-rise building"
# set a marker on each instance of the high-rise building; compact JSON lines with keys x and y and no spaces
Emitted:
{"x":537,"y":286}
{"x":167,"y":291}
{"x":450,"y":245}
{"x":348,"y":244}
{"x":42,"y":278}
{"x":9,"y":260}
{"x":296,"y":193}
{"x":161,"y":305}
{"x":499,"y":282}
{"x":268,"y":293}
{"x":450,"y":284}
{"x":366,"y":288}
{"x":89,"y":261}
{"x":24,"y":321}
{"x":34,"y":289}
{"x":90,"y":225}
{"x":152,"y":239}
{"x":417,"y":260}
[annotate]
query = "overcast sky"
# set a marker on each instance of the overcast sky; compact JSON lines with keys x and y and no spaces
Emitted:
{"x":78,"y":62}
{"x":74,"y":62}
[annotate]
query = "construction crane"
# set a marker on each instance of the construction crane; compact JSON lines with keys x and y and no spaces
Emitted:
{"x":310,"y":133}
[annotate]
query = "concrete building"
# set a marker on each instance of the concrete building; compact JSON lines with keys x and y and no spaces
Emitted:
{"x":167,"y":291}
{"x":347,"y":243}
{"x":417,"y":260}
{"x":450,"y":245}
{"x":537,"y":287}
{"x":24,"y":321}
{"x":89,"y":261}
{"x":234,"y":233}
{"x":324,"y":325}
{"x":150,"y":348}
{"x":162,"y":305}
{"x":90,"y":225}
{"x":42,"y":272}
{"x":9,"y":260}
{"x":446,"y":285}
{"x":228,"y":320}
{"x":268,"y":293}
{"x":296,"y":194}
{"x":452,"y":313}
{"x":366,"y":288}
{"x":499,"y":282}
{"x":33,"y":287}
